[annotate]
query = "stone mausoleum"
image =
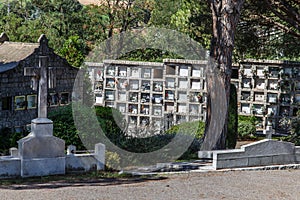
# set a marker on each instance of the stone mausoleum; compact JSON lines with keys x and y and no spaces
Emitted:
{"x":18,"y":91}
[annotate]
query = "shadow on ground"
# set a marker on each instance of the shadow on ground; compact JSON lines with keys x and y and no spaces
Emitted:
{"x":39,"y":183}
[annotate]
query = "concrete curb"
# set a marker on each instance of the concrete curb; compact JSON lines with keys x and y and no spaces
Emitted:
{"x":207,"y":169}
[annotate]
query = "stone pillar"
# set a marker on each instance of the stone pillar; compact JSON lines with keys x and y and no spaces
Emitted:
{"x":100,"y":155}
{"x":71,"y":150}
{"x":14,"y":152}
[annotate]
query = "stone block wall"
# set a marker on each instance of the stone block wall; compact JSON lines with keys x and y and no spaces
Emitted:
{"x":261,"y":153}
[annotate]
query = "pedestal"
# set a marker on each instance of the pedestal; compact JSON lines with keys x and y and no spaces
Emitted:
{"x":40,"y":152}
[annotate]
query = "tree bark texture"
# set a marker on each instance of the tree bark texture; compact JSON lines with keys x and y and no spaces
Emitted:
{"x":225,"y":17}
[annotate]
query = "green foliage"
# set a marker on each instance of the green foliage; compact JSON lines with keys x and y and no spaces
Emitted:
{"x":187,"y":16}
{"x":295,"y":124}
{"x":5,"y":135}
{"x":232,"y":126}
{"x":162,"y":13}
{"x":246,"y":127}
{"x":9,"y":138}
{"x":64,"y":127}
{"x":194,"y":18}
{"x":264,"y":31}
{"x":73,"y":50}
{"x":150,"y":55}
{"x":112,"y":161}
{"x":194,"y":129}
{"x":112,"y":124}
{"x":251,"y":119}
{"x":94,"y":23}
{"x":61,"y":20}
{"x":295,"y":130}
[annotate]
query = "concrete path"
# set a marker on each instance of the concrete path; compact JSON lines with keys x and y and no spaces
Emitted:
{"x":269,"y":184}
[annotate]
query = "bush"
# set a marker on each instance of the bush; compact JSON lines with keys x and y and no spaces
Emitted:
{"x":112,"y":161}
{"x":9,"y":138}
{"x":250,"y":119}
{"x":110,"y":121}
{"x":246,"y":130}
{"x":64,"y":127}
{"x":295,"y":130}
{"x":194,"y":129}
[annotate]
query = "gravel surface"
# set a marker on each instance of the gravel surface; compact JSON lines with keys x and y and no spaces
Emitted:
{"x":272,"y":184}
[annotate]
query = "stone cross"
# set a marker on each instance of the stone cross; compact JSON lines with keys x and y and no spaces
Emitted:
{"x":41,"y":74}
{"x":40,"y":152}
{"x":269,"y":131}
{"x":44,"y":79}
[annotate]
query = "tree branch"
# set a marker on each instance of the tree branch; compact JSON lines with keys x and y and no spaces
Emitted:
{"x":277,"y":24}
{"x":287,"y":19}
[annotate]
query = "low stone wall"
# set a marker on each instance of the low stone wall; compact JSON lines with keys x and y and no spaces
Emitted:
{"x":85,"y":162}
{"x":261,"y":153}
{"x":10,"y":166}
{"x":81,"y":162}
{"x":297,"y":154}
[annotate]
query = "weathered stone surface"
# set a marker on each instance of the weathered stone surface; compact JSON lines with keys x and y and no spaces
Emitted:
{"x":86,"y":162}
{"x":40,"y":152}
{"x":71,"y":149}
{"x":41,"y":156}
{"x":42,"y":126}
{"x":261,"y":153}
{"x":100,"y":155}
{"x":81,"y":162}
{"x":41,"y":147}
{"x":205,"y":154}
{"x":42,"y":166}
{"x":9,"y":167}
{"x":269,"y":147}
{"x":14,"y":152}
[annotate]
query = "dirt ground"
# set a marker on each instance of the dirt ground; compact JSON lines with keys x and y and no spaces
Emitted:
{"x":283,"y":184}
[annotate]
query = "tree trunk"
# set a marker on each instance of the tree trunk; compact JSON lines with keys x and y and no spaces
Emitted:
{"x":225,"y":17}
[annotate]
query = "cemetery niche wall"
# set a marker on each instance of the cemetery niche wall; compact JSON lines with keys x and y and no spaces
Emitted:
{"x":18,"y":91}
{"x":266,"y":89}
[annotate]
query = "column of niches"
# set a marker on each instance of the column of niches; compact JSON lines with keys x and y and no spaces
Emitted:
{"x":195,"y":92}
{"x":181,"y":93}
{"x":109,"y":85}
{"x":273,"y":94}
{"x":157,"y":95}
{"x":121,"y":102}
{"x":171,"y":77}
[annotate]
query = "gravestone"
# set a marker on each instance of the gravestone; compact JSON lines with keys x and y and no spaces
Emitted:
{"x":269,"y":131}
{"x":40,"y":152}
